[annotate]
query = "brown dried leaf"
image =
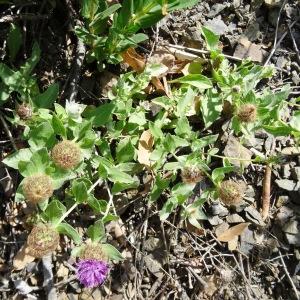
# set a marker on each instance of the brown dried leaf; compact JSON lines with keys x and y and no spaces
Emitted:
{"x":232,"y":244}
{"x":134,"y":60}
{"x":145,"y":148}
{"x":232,"y":232}
{"x":22,"y":258}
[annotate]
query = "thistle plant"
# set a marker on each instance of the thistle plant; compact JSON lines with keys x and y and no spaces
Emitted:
{"x":230,"y":192}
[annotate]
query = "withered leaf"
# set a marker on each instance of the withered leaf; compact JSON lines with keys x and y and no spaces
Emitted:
{"x":145,"y":148}
{"x":232,"y":232}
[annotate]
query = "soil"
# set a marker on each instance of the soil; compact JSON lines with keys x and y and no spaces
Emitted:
{"x":170,"y":259}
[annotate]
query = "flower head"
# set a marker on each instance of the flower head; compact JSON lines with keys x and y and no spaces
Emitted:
{"x":92,"y":251}
{"x":192,"y":174}
{"x":92,"y":272}
{"x":74,"y":110}
{"x":247,"y":113}
{"x":37,"y":187}
{"x":42,"y":240}
{"x":66,"y":154}
{"x":231,"y":192}
{"x":24,"y":111}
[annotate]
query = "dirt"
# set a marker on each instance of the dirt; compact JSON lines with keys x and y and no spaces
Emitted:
{"x":170,"y":259}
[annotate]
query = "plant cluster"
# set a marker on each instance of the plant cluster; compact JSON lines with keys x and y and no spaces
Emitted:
{"x":72,"y":149}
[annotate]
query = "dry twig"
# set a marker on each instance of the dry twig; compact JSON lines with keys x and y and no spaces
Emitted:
{"x":266,"y":193}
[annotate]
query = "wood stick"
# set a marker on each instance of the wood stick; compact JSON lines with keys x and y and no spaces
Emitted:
{"x":266,"y":194}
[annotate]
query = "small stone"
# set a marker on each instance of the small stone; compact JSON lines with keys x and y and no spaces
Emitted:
{"x":284,"y":214}
{"x":287,"y":185}
{"x":217,"y":209}
{"x":234,"y":218}
{"x":291,"y":227}
{"x":254,"y":216}
{"x":215,"y":220}
{"x":286,"y":171}
{"x":293,"y":239}
{"x":296,"y":173}
{"x":252,"y":32}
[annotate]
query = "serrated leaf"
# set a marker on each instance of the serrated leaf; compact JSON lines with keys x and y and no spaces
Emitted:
{"x":79,"y":190}
{"x":54,"y":211}
{"x":125,"y":150}
{"x":100,"y":115}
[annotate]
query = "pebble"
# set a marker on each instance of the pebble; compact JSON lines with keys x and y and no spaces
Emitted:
{"x":286,"y":171}
{"x":287,"y":185}
{"x":215,"y":220}
{"x":234,"y":218}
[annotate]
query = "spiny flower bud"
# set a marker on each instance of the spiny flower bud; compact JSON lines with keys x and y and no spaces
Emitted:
{"x":66,"y":154}
{"x":92,"y":251}
{"x":24,"y":111}
{"x":231,"y":192}
{"x":192,"y":174}
{"x":37,"y":188}
{"x":42,"y":240}
{"x":247,"y":113}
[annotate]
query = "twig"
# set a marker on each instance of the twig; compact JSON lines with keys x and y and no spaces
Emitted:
{"x":202,"y":282}
{"x":275,"y":46}
{"x":288,"y":276}
{"x":48,"y":278}
{"x":8,"y":133}
{"x":28,"y":16}
{"x":266,"y":192}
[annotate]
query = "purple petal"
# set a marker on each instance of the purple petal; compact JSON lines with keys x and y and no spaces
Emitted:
{"x":91,"y":272}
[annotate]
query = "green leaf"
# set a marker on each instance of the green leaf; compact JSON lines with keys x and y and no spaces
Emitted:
{"x":9,"y":77}
{"x":295,"y":121}
{"x":185,"y":103}
{"x":58,"y":126}
{"x":14,"y":41}
{"x":211,"y":39}
{"x":65,"y":228}
{"x":42,"y":135}
{"x":159,"y":186}
{"x":111,"y":252}
{"x":211,"y":107}
{"x":168,"y":208}
{"x":98,"y":206}
{"x":96,"y":232}
{"x":101,"y":115}
{"x":54,"y":211}
{"x":30,"y":64}
{"x":120,"y":186}
{"x":218,"y":174}
{"x":89,"y":8}
{"x":197,"y":80}
{"x":20,"y":155}
{"x":47,"y":98}
{"x":125,"y":150}
{"x":79,"y":191}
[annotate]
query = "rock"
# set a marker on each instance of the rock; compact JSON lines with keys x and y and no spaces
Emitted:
{"x":293,"y":239}
{"x":284,"y":214}
{"x":249,"y":193}
{"x":287,"y":185}
{"x":246,"y":49}
{"x":296,"y":173}
{"x":254,"y":216}
{"x":217,"y":209}
{"x":252,"y":32}
{"x":217,"y":26}
{"x":234,"y":218}
{"x":286,"y":171}
{"x":247,"y":241}
{"x":241,"y":206}
{"x":273,"y":3}
{"x":215,"y":220}
{"x":295,"y":77}
{"x":291,"y":227}
{"x":216,"y":9}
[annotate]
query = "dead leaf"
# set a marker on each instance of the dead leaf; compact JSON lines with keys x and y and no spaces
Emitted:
{"x":232,"y":244}
{"x":145,"y":148}
{"x":134,"y":60}
{"x":22,"y":259}
{"x":232,"y":232}
{"x":236,"y":150}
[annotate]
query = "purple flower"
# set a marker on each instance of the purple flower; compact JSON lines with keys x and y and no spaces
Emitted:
{"x":91,"y":272}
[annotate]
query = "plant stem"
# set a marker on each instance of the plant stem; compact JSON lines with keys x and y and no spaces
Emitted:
{"x":76,"y":203}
